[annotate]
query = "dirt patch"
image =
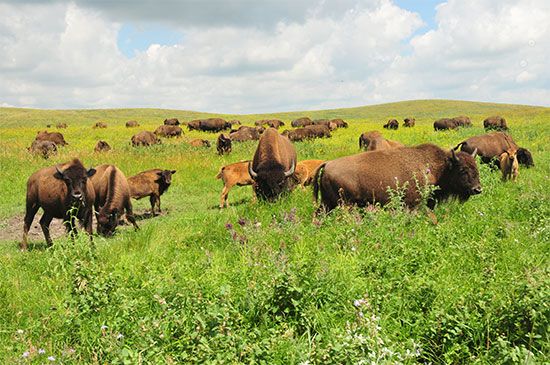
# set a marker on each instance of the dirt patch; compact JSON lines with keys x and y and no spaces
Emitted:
{"x":11,"y":229}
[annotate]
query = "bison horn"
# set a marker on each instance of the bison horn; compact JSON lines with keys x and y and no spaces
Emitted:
{"x":454,"y":155}
{"x":291,"y":171}
{"x":59,"y":172}
{"x":251,"y":171}
{"x":474,"y":154}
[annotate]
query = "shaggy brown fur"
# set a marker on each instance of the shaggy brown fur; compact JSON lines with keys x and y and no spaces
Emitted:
{"x":340,"y":123}
{"x":409,"y":122}
{"x":209,"y":125}
{"x":132,"y":124}
{"x":392,"y":124}
{"x":223,"y":144}
{"x":55,"y":137}
{"x":496,"y":123}
{"x":145,"y":138}
{"x":365,"y":178}
{"x":197,"y":142}
{"x":102,"y":146}
{"x":171,"y":121}
{"x":301,"y":122}
{"x":168,"y":131}
{"x":112,"y":199}
{"x":100,"y":125}
{"x":151,"y":183}
{"x":44,"y":148}
{"x":304,"y":171}
{"x":489,"y":146}
{"x":273,"y":123}
{"x":374,"y":141}
{"x":328,"y":123}
{"x":60,"y":190}
{"x":444,"y":124}
{"x":231,"y":175}
{"x":509,"y":165}
{"x":462,"y":121}
{"x":246,"y":133}
{"x":61,"y":125}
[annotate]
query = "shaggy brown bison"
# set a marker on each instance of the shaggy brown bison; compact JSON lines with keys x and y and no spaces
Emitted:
{"x":197,"y":142}
{"x":171,"y":121}
{"x":409,"y":122}
{"x":339,"y":123}
{"x":132,"y":124}
{"x":509,"y":165}
{"x":112,"y":199}
{"x":308,"y":132}
{"x":44,"y":148}
{"x":496,"y":123}
{"x":194,"y":125}
{"x":392,"y":124}
{"x":364,"y":178}
{"x":102,"y":146}
{"x":445,"y":124}
{"x":151,"y":183}
{"x":273,"y":165}
{"x":100,"y":125}
{"x":209,"y":125}
{"x":61,"y":125}
{"x":231,"y":175}
{"x":245,"y":133}
{"x":54,"y":137}
{"x":301,"y":122}
{"x":223,"y":144}
{"x":325,"y":122}
{"x":145,"y":138}
{"x":490,"y":146}
{"x":462,"y":121}
{"x":374,"y":141}
{"x":273,"y":123}
{"x":62,"y":191}
{"x":305,"y":171}
{"x":168,"y":131}
{"x":234,"y":122}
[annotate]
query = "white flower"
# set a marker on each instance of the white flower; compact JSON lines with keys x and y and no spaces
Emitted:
{"x":51,"y":358}
{"x":41,"y":351}
{"x":20,"y":332}
{"x":25,"y":354}
{"x":104,"y":327}
{"x":119,"y":336}
{"x":357,"y":302}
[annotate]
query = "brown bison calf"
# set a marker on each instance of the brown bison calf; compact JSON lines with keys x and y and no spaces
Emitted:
{"x":409,"y":122}
{"x":102,"y":146}
{"x":63,"y":191}
{"x":168,"y":131}
{"x":509,"y":165}
{"x":392,"y":124}
{"x":305,"y":170}
{"x":223,"y":144}
{"x":100,"y":125}
{"x":231,"y":175}
{"x":61,"y":125}
{"x":132,"y":124}
{"x":145,"y":138}
{"x":374,"y":141}
{"x":197,"y":142}
{"x":44,"y":148}
{"x":112,"y":199}
{"x":54,"y":137}
{"x":151,"y":183}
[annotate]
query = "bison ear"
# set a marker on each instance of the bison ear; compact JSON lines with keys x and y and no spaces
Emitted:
{"x":91,"y":171}
{"x":173,"y":172}
{"x":59,"y":174}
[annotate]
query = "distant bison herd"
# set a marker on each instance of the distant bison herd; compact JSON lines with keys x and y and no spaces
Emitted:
{"x":71,"y":192}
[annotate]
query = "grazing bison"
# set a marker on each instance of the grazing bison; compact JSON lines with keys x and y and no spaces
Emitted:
{"x":44,"y":148}
{"x":305,"y":171}
{"x":462,"y":121}
{"x":145,"y":138}
{"x":231,"y":175}
{"x":197,"y":142}
{"x":168,"y":131}
{"x":234,"y":122}
{"x":509,"y":165}
{"x":444,"y":124}
{"x":319,"y":131}
{"x":490,"y":146}
{"x":273,"y":165}
{"x":308,"y":132}
{"x":301,"y":122}
{"x":496,"y":123}
{"x":273,"y":123}
{"x":409,"y":122}
{"x":151,"y":183}
{"x":132,"y":124}
{"x":392,"y":124}
{"x":100,"y":125}
{"x":102,"y":146}
{"x":223,"y":144}
{"x":194,"y":125}
{"x":63,"y":191}
{"x":365,"y":178}
{"x":112,"y":199}
{"x":339,"y":123}
{"x":245,"y":133}
{"x":209,"y":125}
{"x":54,"y":137}
{"x":325,"y":122}
{"x":374,"y":141}
{"x":61,"y":125}
{"x":171,"y":121}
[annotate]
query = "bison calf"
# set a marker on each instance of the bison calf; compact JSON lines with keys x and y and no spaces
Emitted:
{"x":44,"y":148}
{"x":145,"y":138}
{"x":231,"y":175}
{"x":305,"y":170}
{"x":102,"y":146}
{"x":100,"y":125}
{"x":151,"y":183}
{"x":509,"y":165}
{"x":223,"y":144}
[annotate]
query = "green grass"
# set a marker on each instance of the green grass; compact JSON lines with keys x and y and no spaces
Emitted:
{"x":280,"y":286}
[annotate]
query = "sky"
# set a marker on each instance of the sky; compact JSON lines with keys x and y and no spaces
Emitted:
{"x":250,"y":56}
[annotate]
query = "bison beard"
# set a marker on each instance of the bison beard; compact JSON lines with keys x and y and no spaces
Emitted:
{"x":272,"y":181}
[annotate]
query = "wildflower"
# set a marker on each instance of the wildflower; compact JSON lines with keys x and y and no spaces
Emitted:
{"x":25,"y":354}
{"x":357,"y":303}
{"x":51,"y":358}
{"x":242,"y":222}
{"x":104,"y":327}
{"x":41,"y":351}
{"x":20,"y":332}
{"x":119,"y":336}
{"x":228,"y":226}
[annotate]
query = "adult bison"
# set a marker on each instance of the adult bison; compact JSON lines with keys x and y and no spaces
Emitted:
{"x":132,"y":124}
{"x":152,"y":183}
{"x":61,"y":125}
{"x":54,"y":137}
{"x":392,"y":124}
{"x":490,"y":146}
{"x":63,"y":191}
{"x":171,"y":121}
{"x":301,"y":122}
{"x":496,"y":122}
{"x":308,"y":132}
{"x":223,"y":144}
{"x":340,"y":123}
{"x":194,"y":125}
{"x":112,"y":199}
{"x":319,"y":131}
{"x":462,"y":121}
{"x":273,"y":123}
{"x":100,"y":125}
{"x":409,"y":122}
{"x":209,"y":125}
{"x":197,"y":142}
{"x":374,"y":141}
{"x":145,"y":138}
{"x":445,"y":124}
{"x":44,"y":148}
{"x":102,"y":146}
{"x":168,"y":131}
{"x":246,"y":133}
{"x":273,"y":165}
{"x":365,"y":178}
{"x":328,"y":123}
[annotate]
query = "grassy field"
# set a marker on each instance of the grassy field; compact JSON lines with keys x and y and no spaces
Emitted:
{"x":267,"y":283}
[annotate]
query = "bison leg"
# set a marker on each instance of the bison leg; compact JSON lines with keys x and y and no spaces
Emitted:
{"x":130,"y":215}
{"x":153,"y":200}
{"x":29,"y":217}
{"x":45,"y":224}
{"x":158,"y":204}
{"x":223,"y":197}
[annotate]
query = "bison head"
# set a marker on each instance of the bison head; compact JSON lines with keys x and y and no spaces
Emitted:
{"x":462,"y":178}
{"x":75,"y":177}
{"x":525,"y":158}
{"x":107,"y":220}
{"x":271,"y":181}
{"x":165,"y":176}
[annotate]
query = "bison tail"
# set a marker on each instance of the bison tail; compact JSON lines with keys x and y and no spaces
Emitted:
{"x":316,"y":177}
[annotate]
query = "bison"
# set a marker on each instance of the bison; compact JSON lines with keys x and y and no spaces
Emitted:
{"x":308,"y":132}
{"x":54,"y":137}
{"x":340,"y":123}
{"x":301,"y":122}
{"x":234,"y":122}
{"x":490,"y":146}
{"x":209,"y":125}
{"x":102,"y":146}
{"x":245,"y":133}
{"x":61,"y":125}
{"x":223,"y":144}
{"x":112,"y":199}
{"x":305,"y":171}
{"x":168,"y":131}
{"x":194,"y":125}
{"x":409,"y":122}
{"x":365,"y":178}
{"x":445,"y":124}
{"x":62,"y":191}
{"x":273,"y":123}
{"x":100,"y":125}
{"x":132,"y":124}
{"x":325,"y":122}
{"x":152,"y":183}
{"x":496,"y":123}
{"x":231,"y":175}
{"x":145,"y":138}
{"x":273,"y":165}
{"x":374,"y":141}
{"x":509,"y":165}
{"x":171,"y":121}
{"x":462,"y":121}
{"x":197,"y":142}
{"x":44,"y":148}
{"x":392,"y":124}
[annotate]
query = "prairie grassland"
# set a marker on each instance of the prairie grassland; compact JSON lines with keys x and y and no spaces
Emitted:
{"x":266,"y":283}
